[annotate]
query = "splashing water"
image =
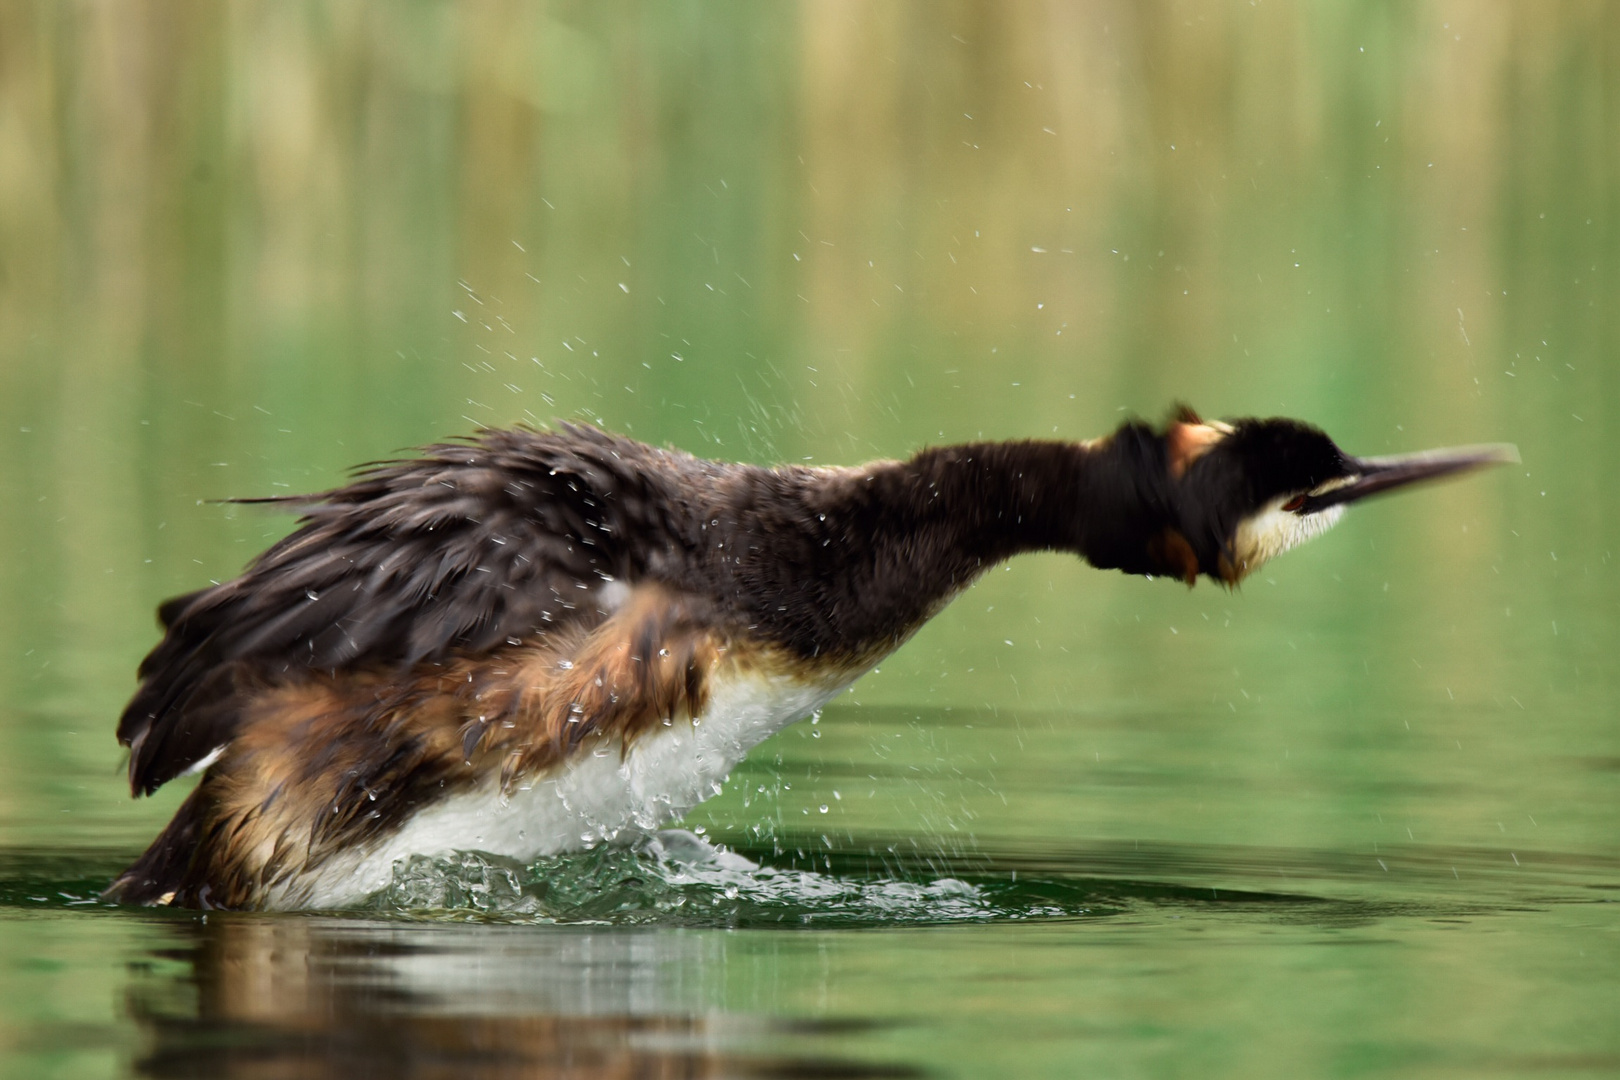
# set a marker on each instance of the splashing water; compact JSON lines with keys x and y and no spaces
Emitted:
{"x":677,"y":878}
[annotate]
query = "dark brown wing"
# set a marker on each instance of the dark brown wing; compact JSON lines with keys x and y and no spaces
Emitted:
{"x":452,"y":553}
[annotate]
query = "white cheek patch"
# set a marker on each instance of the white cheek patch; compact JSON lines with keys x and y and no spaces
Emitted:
{"x":1274,"y":530}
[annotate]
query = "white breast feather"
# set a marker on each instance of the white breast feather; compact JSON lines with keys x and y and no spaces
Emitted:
{"x":601,"y":795}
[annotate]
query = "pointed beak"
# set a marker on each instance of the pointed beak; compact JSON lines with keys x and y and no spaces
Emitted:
{"x":1374,"y":476}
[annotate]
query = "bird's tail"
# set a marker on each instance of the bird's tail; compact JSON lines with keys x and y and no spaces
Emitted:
{"x":155,"y":877}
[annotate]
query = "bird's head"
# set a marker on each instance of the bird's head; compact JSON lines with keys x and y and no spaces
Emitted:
{"x":1221,"y":498}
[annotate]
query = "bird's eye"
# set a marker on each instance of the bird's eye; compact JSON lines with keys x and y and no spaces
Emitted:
{"x":1295,"y":503}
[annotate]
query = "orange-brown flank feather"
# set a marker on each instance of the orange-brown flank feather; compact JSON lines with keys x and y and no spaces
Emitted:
{"x":327,"y":764}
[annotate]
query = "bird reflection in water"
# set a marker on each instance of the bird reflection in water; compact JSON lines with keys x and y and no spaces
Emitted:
{"x":315,"y":998}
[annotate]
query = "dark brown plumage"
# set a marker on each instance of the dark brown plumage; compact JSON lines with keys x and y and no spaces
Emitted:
{"x":497,"y":607}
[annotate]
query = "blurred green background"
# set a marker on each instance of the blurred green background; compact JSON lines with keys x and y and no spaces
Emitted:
{"x":246,"y":245}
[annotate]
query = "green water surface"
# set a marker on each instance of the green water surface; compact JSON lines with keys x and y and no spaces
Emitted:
{"x":1359,"y":818}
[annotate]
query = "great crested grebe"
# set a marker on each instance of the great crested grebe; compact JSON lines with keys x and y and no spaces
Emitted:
{"x":530,"y":642}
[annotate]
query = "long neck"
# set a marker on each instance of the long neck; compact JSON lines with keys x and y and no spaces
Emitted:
{"x":849,"y":563}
